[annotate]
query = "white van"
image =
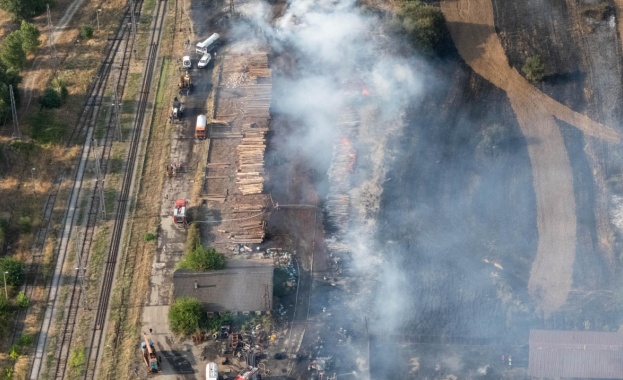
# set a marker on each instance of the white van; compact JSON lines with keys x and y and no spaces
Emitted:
{"x":203,"y":62}
{"x":211,"y":371}
{"x":186,"y":62}
{"x":207,"y":45}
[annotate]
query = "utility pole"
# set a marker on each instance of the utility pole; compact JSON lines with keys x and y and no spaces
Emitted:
{"x":97,"y":16}
{"x":99,"y":182}
{"x":117,"y":105}
{"x":32,"y":174}
{"x":51,"y":46}
{"x":16,"y":132}
{"x":82,"y":288}
{"x":133,"y":21}
{"x":6,"y":292}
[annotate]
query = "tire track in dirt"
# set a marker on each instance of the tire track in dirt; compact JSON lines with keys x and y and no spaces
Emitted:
{"x":471,"y":25}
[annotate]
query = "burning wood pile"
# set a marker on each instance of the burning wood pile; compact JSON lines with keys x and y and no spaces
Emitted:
{"x":342,"y":165}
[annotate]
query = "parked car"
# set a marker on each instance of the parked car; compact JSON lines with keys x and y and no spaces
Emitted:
{"x":186,"y":62}
{"x":204,"y":61}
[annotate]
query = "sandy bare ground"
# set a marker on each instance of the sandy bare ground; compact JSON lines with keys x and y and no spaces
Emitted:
{"x":471,"y":26}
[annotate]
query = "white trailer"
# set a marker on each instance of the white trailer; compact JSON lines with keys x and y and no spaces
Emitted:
{"x":207,"y":45}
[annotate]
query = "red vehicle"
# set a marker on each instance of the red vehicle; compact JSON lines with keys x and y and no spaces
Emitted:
{"x":179,"y":212}
{"x":250,"y":373}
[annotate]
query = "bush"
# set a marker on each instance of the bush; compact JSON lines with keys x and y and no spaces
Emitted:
{"x":60,"y":86}
{"x":424,"y":24}
{"x":186,"y":316}
{"x":25,"y":340}
{"x":50,"y":99}
{"x":193,"y":239}
{"x":77,"y":358}
{"x":22,"y":300}
{"x":25,"y":224}
{"x":149,"y":236}
{"x":15,"y":277}
{"x":86,"y":32}
{"x":14,"y":353}
{"x":202,"y":259}
{"x":534,"y":69}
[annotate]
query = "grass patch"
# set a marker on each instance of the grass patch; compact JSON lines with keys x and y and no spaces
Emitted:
{"x":45,"y":128}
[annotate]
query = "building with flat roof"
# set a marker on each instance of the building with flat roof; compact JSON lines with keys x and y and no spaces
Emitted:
{"x":243,"y":286}
{"x":576,"y":354}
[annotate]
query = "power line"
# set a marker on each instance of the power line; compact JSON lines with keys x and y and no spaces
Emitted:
{"x":16,"y":132}
{"x":51,"y":47}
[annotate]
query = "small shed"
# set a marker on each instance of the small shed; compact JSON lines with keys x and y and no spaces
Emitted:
{"x":243,"y":286}
{"x":576,"y":354}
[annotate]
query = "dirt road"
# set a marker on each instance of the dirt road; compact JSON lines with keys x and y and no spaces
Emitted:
{"x":471,"y":25}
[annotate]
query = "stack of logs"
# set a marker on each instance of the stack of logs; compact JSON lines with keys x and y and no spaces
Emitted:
{"x":256,"y":111}
{"x":250,"y":231}
{"x":250,"y":174}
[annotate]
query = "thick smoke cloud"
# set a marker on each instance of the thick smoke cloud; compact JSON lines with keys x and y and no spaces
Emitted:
{"x":341,"y":57}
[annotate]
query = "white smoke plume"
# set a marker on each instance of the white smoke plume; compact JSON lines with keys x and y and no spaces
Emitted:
{"x":341,"y":57}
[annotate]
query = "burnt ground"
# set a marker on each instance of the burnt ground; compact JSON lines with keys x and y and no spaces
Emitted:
{"x":466,"y":202}
{"x":464,"y":206}
{"x":581,"y":49}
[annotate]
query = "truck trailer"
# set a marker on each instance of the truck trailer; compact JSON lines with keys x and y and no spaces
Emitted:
{"x":208,"y":44}
{"x":149,"y":355}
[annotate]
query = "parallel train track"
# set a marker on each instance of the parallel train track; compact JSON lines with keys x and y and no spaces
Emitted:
{"x":85,"y":127}
{"x":111,"y":260}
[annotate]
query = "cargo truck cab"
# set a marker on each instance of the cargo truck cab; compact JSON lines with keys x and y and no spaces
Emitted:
{"x":200,"y":128}
{"x":179,"y":211}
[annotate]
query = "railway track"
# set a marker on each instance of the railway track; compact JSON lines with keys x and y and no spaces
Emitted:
{"x":85,"y":127}
{"x":95,"y":206}
{"x":97,"y":338}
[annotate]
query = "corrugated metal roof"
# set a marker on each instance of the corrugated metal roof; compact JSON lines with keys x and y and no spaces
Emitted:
{"x":241,"y":286}
{"x":573,"y":354}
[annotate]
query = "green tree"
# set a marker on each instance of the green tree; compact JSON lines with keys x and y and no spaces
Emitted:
{"x":50,"y":99}
{"x":534,"y":69}
{"x":30,"y":37}
{"x":202,"y":259}
{"x":424,"y":24}
{"x":12,"y":52}
{"x":15,"y":269}
{"x":21,"y":9}
{"x":186,"y":316}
